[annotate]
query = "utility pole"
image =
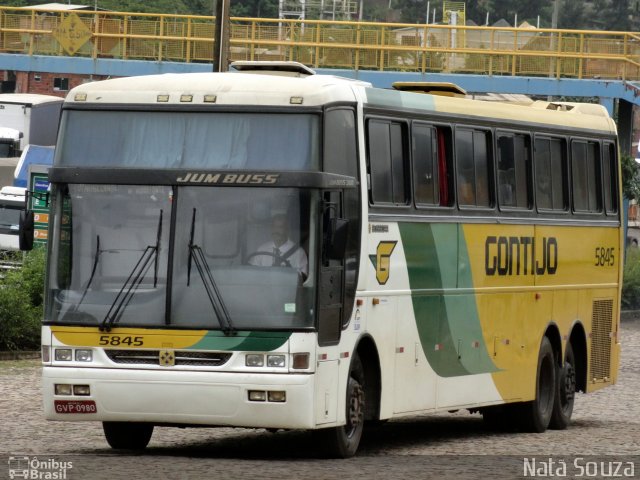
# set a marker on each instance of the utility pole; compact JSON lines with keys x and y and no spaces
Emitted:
{"x":553,"y":64}
{"x":554,"y":15}
{"x":221,"y":37}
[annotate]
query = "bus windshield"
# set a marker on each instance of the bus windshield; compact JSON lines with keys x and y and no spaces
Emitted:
{"x":239,"y":257}
{"x":221,"y":140}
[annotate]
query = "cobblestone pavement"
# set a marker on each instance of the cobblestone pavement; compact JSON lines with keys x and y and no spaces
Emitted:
{"x":605,"y":424}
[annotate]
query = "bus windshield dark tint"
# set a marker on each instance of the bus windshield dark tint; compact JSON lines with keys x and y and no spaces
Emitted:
{"x":240,"y":257}
{"x":205,"y":140}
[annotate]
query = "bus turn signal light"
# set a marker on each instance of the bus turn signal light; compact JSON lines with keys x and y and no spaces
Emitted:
{"x":300,"y":361}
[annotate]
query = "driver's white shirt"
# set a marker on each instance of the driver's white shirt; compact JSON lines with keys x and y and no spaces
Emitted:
{"x":298,"y":259}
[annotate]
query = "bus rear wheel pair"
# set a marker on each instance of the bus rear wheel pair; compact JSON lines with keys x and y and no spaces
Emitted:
{"x":555,"y":390}
{"x":555,"y":394}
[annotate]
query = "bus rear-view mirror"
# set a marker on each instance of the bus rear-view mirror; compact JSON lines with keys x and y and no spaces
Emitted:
{"x":26,"y":230}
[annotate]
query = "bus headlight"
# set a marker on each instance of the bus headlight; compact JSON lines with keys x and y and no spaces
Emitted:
{"x":257,"y":396}
{"x":62,"y":389}
{"x":82,"y":390}
{"x":253,"y":360}
{"x":84,"y":356}
{"x":63,"y":354}
{"x":276,"y":361}
{"x":277,"y":396}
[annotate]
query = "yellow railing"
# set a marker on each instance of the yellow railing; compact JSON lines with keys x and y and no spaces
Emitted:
{"x":326,"y":44}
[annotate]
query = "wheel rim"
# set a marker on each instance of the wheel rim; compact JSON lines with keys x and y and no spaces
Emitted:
{"x":355,"y":408}
{"x":568,"y":386}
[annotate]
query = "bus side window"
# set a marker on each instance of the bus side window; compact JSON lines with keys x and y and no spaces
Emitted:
{"x":514,"y":170}
{"x":472,"y":168}
{"x":551,"y":174}
{"x":431,"y":165}
{"x":585,"y":176}
{"x":610,"y":178}
{"x":387,"y":161}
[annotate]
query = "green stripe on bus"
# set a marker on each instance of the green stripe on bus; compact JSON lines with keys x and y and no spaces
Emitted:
{"x":449,"y":326}
{"x":243,"y":340}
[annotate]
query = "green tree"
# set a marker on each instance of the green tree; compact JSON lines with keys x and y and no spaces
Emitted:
{"x":255,"y":8}
{"x":21,"y":312}
{"x":630,"y":177}
{"x":572,"y":14}
{"x":528,"y":11}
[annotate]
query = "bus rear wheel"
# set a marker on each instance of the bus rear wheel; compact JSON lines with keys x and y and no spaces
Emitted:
{"x":565,"y":392}
{"x":127,"y":435}
{"x":342,"y":442}
{"x":536,"y":414}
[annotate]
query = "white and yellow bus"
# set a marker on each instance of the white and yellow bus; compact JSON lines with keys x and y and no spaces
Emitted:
{"x":434,"y":253}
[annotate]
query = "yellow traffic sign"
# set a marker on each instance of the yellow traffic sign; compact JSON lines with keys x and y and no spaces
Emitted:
{"x":72,"y":34}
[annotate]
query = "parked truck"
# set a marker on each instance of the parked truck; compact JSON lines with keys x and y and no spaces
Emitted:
{"x":27,"y":119}
{"x":12,"y":203}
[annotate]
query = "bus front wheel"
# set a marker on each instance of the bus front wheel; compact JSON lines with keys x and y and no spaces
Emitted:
{"x":536,"y":414}
{"x":127,"y":435}
{"x":342,"y":442}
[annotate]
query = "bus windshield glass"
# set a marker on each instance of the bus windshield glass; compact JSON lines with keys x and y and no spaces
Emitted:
{"x":239,"y":257}
{"x":221,"y":140}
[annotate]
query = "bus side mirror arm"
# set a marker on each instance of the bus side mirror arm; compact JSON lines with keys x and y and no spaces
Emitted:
{"x":336,"y":238}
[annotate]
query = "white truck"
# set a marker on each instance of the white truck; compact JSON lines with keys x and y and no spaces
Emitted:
{"x":12,"y":203}
{"x":27,"y":119}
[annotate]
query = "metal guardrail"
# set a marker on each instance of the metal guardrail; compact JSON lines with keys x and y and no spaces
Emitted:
{"x":325,"y":44}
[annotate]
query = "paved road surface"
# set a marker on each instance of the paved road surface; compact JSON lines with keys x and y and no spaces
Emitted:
{"x":606,"y":424}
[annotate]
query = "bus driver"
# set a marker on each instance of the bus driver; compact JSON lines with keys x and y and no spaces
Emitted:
{"x":281,"y":251}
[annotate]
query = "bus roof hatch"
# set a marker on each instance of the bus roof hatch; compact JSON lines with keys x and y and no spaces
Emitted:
{"x":445,"y":89}
{"x":288,"y":69}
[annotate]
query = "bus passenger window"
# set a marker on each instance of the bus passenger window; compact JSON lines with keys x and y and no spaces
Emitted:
{"x":386,"y":140}
{"x":430,"y":165}
{"x":609,"y":176}
{"x":585,"y":177}
{"x":514,"y":170}
{"x":472,"y":168}
{"x":551,"y":173}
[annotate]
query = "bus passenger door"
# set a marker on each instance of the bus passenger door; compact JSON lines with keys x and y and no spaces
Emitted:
{"x":330,"y":307}
{"x":331,"y":271}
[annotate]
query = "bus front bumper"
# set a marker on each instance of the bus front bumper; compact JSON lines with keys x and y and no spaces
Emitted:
{"x":183,"y":398}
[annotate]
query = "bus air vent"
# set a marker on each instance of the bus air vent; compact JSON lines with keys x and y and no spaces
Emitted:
{"x":445,"y":89}
{"x":601,"y":325}
{"x":287,"y":69}
{"x":182,"y":357}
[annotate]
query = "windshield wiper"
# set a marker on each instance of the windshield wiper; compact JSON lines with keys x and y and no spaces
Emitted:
{"x":133,"y":281}
{"x":96,"y":258}
{"x":210,"y":286}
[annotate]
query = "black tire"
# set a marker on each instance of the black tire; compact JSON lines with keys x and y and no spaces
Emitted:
{"x":342,"y":442}
{"x":127,"y":435}
{"x":536,"y":415}
{"x":565,"y":391}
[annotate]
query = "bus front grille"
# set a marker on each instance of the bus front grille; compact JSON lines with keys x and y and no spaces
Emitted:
{"x":182,"y":357}
{"x":601,"y":327}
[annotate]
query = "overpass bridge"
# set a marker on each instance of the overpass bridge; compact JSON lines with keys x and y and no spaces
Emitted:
{"x":562,"y":63}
